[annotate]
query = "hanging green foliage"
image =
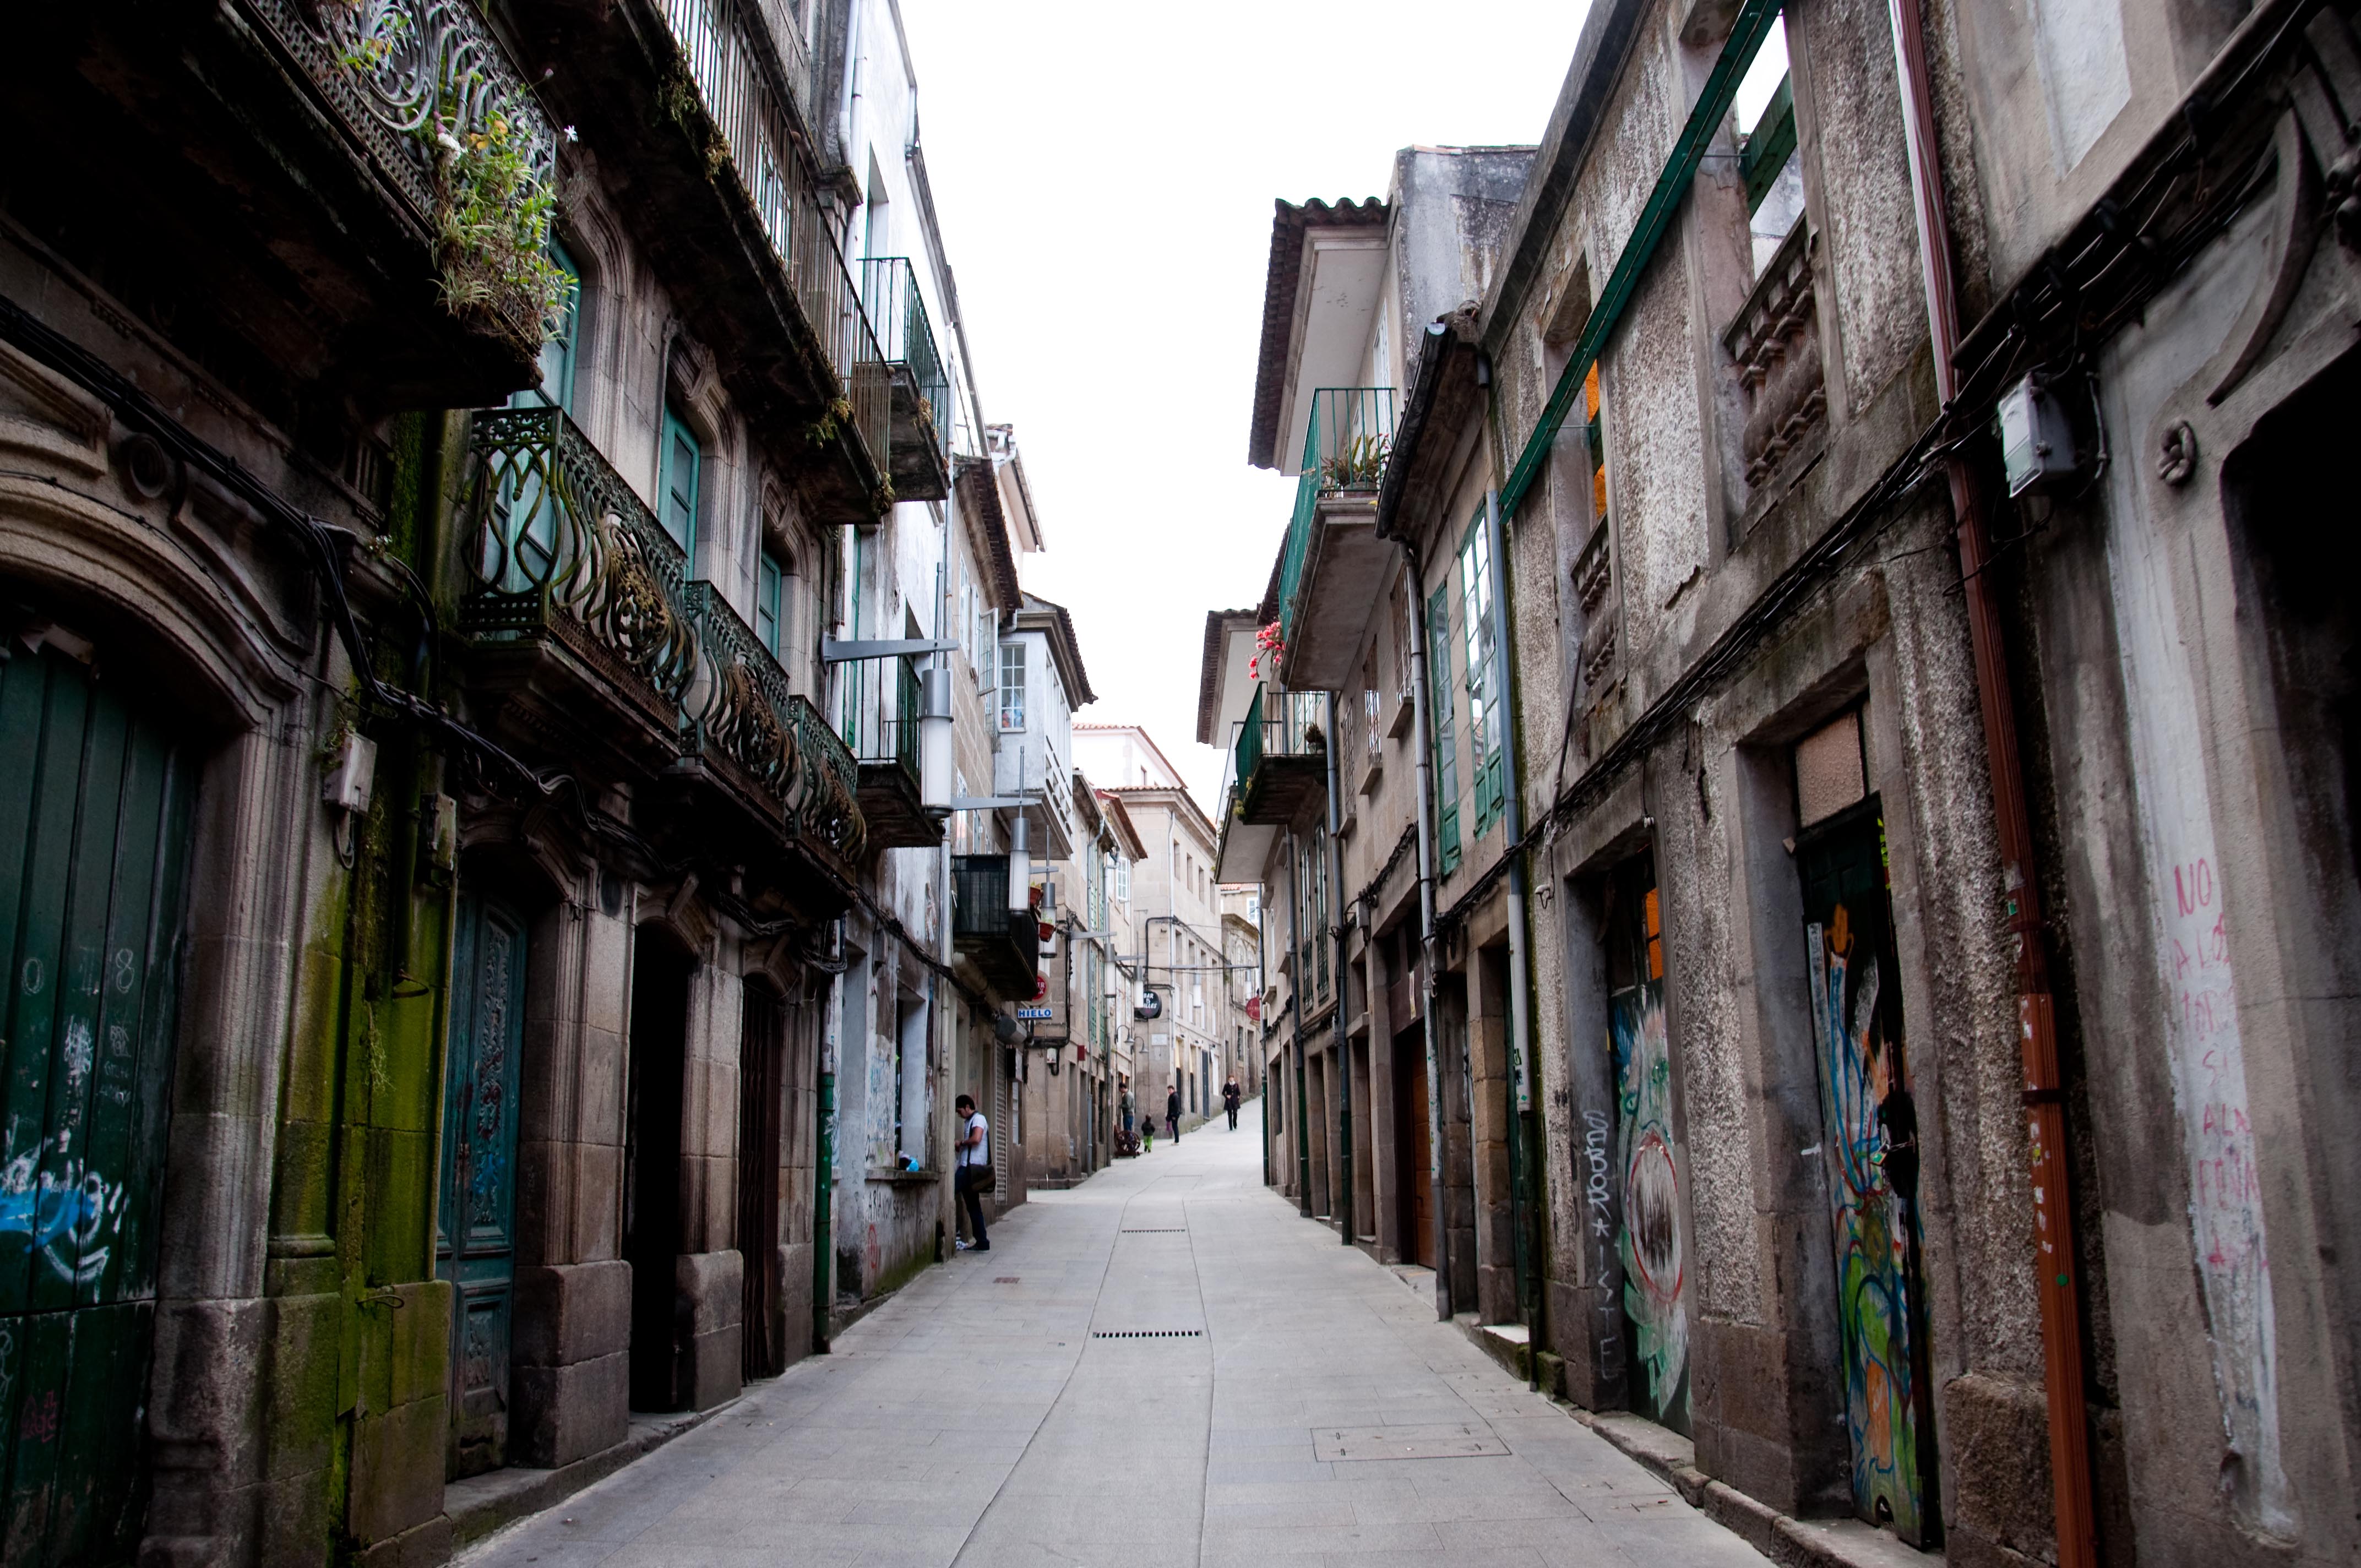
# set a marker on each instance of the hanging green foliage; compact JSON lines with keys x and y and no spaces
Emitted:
{"x":492,"y":173}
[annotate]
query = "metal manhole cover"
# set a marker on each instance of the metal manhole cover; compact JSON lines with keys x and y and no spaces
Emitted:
{"x":1148,"y":1334}
{"x":1451,"y":1440}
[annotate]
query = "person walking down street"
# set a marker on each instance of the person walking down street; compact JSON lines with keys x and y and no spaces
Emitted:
{"x":1130,"y":1105}
{"x":974,"y":1177}
{"x":1172,"y":1114}
{"x":1230,"y":1098}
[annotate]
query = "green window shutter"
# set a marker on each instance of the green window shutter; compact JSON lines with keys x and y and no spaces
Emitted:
{"x":770,"y":583}
{"x":1447,"y":748}
{"x":1485,"y":688}
{"x":1763,"y":152}
{"x":676,"y":488}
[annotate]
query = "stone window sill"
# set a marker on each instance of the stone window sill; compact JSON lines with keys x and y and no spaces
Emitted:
{"x":902,"y":1177}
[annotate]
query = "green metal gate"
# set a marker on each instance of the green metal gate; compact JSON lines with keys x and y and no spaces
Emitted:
{"x":95,"y":809}
{"x":476,"y":1232}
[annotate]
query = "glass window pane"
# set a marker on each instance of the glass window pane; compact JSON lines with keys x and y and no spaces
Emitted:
{"x":769,"y":583}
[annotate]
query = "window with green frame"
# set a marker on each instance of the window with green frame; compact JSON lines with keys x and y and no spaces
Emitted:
{"x":1485,"y":691}
{"x":1446,"y":749}
{"x":676,"y":485}
{"x":770,"y":601}
{"x":1770,"y":165}
{"x":555,"y":388}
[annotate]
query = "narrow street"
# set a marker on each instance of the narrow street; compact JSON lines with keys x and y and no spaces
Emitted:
{"x":980,"y":1418}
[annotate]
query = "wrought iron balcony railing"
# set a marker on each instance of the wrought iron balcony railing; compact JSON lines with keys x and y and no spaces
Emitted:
{"x":878,"y":710}
{"x":1346,"y":444}
{"x":741,"y":87}
{"x":741,"y":706}
{"x":562,"y":546}
{"x":1004,"y":943}
{"x":1279,"y":755}
{"x":921,"y":433}
{"x":406,"y":80}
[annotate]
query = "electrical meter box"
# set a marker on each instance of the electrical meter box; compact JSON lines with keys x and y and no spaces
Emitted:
{"x":351,"y":771}
{"x":2037,"y":437}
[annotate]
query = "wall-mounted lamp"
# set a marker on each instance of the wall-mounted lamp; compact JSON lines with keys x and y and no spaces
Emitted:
{"x":936,"y":766}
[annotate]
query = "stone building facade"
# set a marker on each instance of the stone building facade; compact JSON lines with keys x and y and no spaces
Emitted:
{"x":1847,"y":509}
{"x":1180,"y":956}
{"x":491,"y":960}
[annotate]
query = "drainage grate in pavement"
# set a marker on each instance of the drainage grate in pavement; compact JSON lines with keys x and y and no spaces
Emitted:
{"x":1155,"y":1230}
{"x":1006,"y":1280}
{"x":1148,"y":1334}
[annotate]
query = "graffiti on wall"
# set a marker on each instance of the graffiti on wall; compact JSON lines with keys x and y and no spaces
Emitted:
{"x":1865,"y":1109}
{"x":2192,"y":935}
{"x":1648,"y":1244}
{"x":880,"y":1104}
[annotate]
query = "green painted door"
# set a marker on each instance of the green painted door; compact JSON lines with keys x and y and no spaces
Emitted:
{"x":95,"y":808}
{"x":476,"y":1221}
{"x":1869,"y":1149}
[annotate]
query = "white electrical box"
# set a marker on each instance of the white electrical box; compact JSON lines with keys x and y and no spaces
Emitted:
{"x":351,"y":776}
{"x":2037,"y":437}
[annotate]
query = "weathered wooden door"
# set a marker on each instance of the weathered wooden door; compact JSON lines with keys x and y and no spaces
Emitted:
{"x":762,"y":1130}
{"x":1869,"y":1149}
{"x":1418,"y":1168}
{"x":1649,"y":1240}
{"x":476,"y":1221}
{"x":95,"y":809}
{"x":661,"y":972}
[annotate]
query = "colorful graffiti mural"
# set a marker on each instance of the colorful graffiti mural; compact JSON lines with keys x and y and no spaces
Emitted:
{"x":1648,"y":1244}
{"x":1870,"y":1149}
{"x":59,"y":1215}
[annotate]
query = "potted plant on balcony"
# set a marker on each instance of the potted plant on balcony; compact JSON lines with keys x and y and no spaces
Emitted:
{"x":1357,"y":464}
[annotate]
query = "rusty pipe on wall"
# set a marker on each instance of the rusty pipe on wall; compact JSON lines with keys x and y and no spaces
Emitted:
{"x":2045,"y":1107}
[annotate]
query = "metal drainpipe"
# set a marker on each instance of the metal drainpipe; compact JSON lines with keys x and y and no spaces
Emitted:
{"x":1424,"y":745}
{"x":2053,"y":1216}
{"x":1336,"y":936}
{"x":1521,"y":1139}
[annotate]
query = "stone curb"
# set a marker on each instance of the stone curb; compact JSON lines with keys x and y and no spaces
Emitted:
{"x":483,"y":1504}
{"x":1789,"y":1541}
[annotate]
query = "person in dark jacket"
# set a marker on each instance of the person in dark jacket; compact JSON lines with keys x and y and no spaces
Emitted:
{"x":1231,"y":1095}
{"x":1172,"y":1114}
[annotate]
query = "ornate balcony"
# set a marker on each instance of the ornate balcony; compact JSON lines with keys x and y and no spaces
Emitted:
{"x":425,"y":92}
{"x":578,"y":585}
{"x":565,"y":554}
{"x":920,"y":442}
{"x":335,"y":198}
{"x":694,"y":106}
{"x":741,"y":714}
{"x":1775,"y":344}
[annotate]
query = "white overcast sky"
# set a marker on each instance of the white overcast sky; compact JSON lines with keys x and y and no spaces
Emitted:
{"x":1105,"y":175}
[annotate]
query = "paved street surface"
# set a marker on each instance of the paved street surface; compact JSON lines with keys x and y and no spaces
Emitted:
{"x":1310,"y":1409}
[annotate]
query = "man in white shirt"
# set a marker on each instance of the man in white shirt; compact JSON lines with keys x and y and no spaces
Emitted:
{"x":972,"y":1177}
